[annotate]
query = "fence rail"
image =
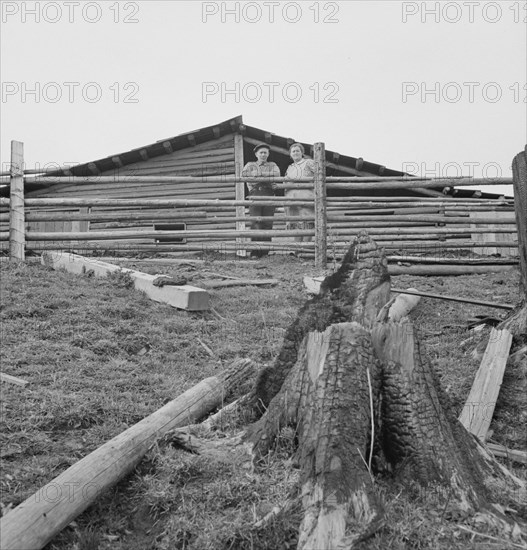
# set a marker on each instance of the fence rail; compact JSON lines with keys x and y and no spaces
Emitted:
{"x":408,"y":222}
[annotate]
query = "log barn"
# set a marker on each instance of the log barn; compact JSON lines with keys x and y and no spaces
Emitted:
{"x":218,"y":150}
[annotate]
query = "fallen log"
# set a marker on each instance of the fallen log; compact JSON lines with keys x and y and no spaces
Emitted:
{"x":32,"y":524}
{"x":13,"y":379}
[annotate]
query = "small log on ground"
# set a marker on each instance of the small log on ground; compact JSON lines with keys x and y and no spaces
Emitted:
{"x":32,"y":524}
{"x":13,"y":379}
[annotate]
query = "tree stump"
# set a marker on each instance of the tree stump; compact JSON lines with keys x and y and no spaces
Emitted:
{"x":362,"y":401}
{"x":358,"y":393}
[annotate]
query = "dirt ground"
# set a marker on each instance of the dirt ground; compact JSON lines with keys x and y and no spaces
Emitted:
{"x":100,"y":356}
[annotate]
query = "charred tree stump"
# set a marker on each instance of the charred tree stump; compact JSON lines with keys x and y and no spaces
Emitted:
{"x":356,"y":292}
{"x":355,"y":388}
{"x":362,"y":400}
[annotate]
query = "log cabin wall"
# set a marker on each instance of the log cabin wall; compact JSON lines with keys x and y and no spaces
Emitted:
{"x":212,"y":158}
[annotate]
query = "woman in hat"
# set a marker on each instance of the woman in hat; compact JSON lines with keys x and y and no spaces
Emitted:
{"x":262,"y":168}
{"x":301,"y":168}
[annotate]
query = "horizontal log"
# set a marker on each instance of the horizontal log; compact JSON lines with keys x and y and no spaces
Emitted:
{"x":169,"y":192}
{"x":447,"y":260}
{"x":111,"y":216}
{"x":355,"y":216}
{"x":401,"y":184}
{"x":32,"y":524}
{"x":421,"y":246}
{"x":454,"y":298}
{"x":354,"y":183}
{"x":447,"y":269}
{"x":13,"y":380}
{"x":129,"y":189}
{"x":102,"y":235}
{"x":166,"y":203}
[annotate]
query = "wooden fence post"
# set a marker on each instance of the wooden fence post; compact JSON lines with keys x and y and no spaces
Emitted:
{"x":519,"y":172}
{"x":17,"y":230}
{"x":240,"y":190}
{"x":319,"y":156}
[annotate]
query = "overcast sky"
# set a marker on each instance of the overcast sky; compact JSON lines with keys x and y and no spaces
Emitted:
{"x":432,"y":88}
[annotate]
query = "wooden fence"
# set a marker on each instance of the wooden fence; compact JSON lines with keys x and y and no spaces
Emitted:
{"x":409,"y":223}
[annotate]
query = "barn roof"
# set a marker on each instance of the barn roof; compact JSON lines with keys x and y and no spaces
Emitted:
{"x":208,"y":133}
{"x":337,"y":164}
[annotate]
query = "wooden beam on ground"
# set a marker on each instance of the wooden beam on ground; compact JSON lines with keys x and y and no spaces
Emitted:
{"x":479,"y":407}
{"x":185,"y":297}
{"x":17,"y":224}
{"x":13,"y":380}
{"x":32,"y":524}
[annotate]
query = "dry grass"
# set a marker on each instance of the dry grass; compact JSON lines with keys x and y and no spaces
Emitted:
{"x":100,"y":357}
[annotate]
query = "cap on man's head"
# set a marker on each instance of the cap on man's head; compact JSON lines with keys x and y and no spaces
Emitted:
{"x":261,"y":146}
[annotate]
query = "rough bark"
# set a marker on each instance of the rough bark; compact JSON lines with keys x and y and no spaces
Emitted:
{"x":421,"y":436}
{"x":335,"y":439}
{"x":355,"y":292}
{"x":359,"y":394}
{"x":354,"y":386}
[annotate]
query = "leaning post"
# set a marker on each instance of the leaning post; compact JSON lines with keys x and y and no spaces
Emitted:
{"x":17,"y":234}
{"x":319,"y":156}
{"x":519,"y":173}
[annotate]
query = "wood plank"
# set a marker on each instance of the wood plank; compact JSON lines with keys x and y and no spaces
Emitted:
{"x":479,"y":407}
{"x":13,"y":379}
{"x":182,"y":297}
{"x":17,"y":225}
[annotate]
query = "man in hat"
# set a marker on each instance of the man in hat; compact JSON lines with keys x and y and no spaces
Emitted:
{"x":262,"y":168}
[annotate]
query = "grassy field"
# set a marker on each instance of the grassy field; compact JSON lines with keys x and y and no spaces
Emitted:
{"x":100,"y":356}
